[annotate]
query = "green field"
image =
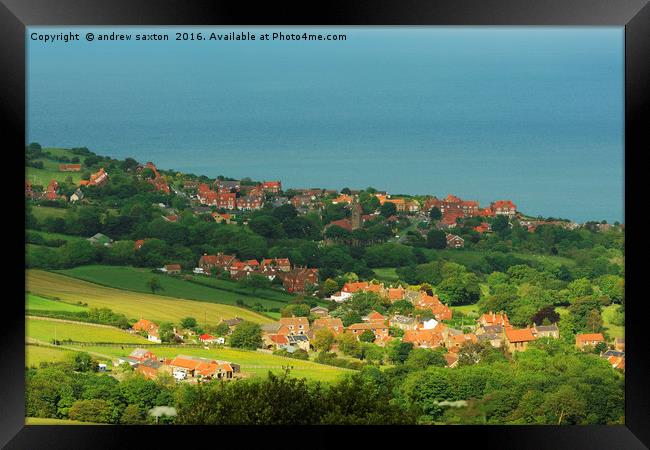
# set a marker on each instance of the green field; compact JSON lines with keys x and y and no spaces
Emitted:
{"x":613,"y":330}
{"x":218,"y":291}
{"x":37,"y":303}
{"x":43,"y":212}
{"x":48,"y":421}
{"x":35,"y":354}
{"x":386,"y":274}
{"x":51,"y":236}
{"x":468,"y":310}
{"x":50,"y":170}
{"x":256,"y":363}
{"x":132,"y":304}
{"x":45,"y":330}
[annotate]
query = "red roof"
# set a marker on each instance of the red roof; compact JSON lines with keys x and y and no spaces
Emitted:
{"x":346,"y":224}
{"x":589,"y":337}
{"x":522,"y":335}
{"x":206,"y":337}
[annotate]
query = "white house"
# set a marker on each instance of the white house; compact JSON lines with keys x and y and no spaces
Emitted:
{"x":429,"y":324}
{"x":340,"y":296}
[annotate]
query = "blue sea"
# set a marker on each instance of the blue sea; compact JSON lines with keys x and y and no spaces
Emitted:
{"x":532,"y":114}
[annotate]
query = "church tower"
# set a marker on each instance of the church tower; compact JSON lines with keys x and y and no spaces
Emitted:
{"x":357,"y":211}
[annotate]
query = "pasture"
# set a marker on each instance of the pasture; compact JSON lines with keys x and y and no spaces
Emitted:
{"x":45,"y":330}
{"x":132,"y":304}
{"x":209,"y":289}
{"x":37,"y":303}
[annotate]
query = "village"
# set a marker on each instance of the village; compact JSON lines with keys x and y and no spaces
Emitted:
{"x":230,"y":201}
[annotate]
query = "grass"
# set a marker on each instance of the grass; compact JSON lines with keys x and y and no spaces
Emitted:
{"x":43,"y":212}
{"x":216,"y":291}
{"x":48,"y":421}
{"x":50,"y":170}
{"x":613,"y":330}
{"x":50,"y":236}
{"x":46,"y":330}
{"x":133,"y":305}
{"x":35,"y":354}
{"x":256,"y":363}
{"x":37,"y":303}
{"x":386,"y":274}
{"x":468,"y":310}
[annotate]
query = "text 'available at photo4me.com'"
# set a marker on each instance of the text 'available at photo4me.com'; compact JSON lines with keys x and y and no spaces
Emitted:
{"x":184,"y":36}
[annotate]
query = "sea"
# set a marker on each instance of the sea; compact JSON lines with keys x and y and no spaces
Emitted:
{"x":531,"y":114}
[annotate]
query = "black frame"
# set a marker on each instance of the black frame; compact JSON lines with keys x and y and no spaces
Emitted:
{"x":634,"y":15}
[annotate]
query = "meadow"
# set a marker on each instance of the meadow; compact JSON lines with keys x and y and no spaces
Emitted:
{"x":38,"y":303}
{"x":45,"y":330}
{"x":203,"y":288}
{"x":43,"y":212}
{"x":134,"y":305}
{"x":35,"y":354}
{"x":50,"y":170}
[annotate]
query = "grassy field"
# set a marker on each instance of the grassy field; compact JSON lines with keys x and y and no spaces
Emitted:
{"x":50,"y":170}
{"x":46,"y":330}
{"x":218,"y":291}
{"x":612,"y":330}
{"x":386,"y":274}
{"x":37,"y":303}
{"x":257,"y":363}
{"x":468,"y":310}
{"x":43,"y":212}
{"x":35,"y":354}
{"x":47,"y":421}
{"x":51,"y":236}
{"x":133,"y":305}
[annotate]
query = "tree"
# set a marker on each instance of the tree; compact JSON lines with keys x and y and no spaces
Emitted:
{"x":372,"y":353}
{"x":154,"y":285}
{"x":329,"y":287}
{"x":594,"y":321}
{"x":436,"y":239}
{"x":222,"y":329}
{"x":388,"y":209}
{"x":255,"y":282}
{"x":83,"y":362}
{"x":564,"y":406}
{"x":398,"y":351}
{"x":500,"y":224}
{"x":188,"y":322}
{"x":421,"y":358}
{"x":548,"y":313}
{"x":435,"y":213}
{"x":132,"y":415}
{"x":367,"y":336}
{"x":348,"y":344}
{"x":246,"y":335}
{"x":94,"y":410}
{"x":323,"y":340}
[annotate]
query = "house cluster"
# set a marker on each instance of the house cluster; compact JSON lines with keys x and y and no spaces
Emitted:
{"x":294,"y":279}
{"x":96,"y":179}
{"x":158,"y":181}
{"x":420,"y":299}
{"x":232,"y":195}
{"x":453,"y":208}
{"x":531,"y":225}
{"x":182,"y":367}
{"x":615,"y":356}
{"x":295,"y":333}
